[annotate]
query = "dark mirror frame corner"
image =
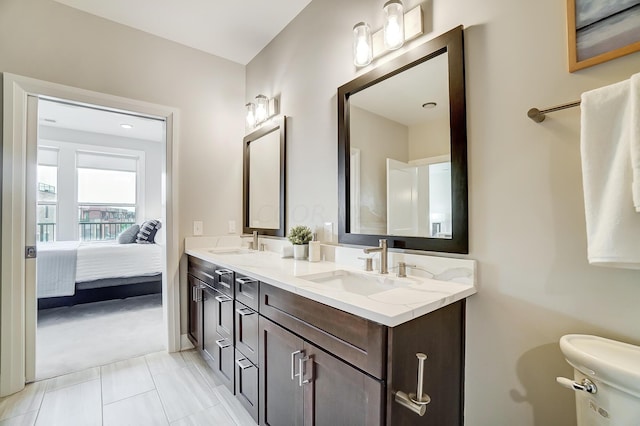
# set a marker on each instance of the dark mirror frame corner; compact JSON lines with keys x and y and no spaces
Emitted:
{"x":452,"y":43}
{"x":278,"y":124}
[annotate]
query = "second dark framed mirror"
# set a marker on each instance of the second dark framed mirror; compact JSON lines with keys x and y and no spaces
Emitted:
{"x":263,"y":206}
{"x":402,"y":151}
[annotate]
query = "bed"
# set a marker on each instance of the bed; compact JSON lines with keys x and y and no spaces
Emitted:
{"x":72,"y":272}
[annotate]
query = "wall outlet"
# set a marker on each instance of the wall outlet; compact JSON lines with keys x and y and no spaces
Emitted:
{"x":232,"y":226}
{"x":197,"y":227}
{"x":327,"y":232}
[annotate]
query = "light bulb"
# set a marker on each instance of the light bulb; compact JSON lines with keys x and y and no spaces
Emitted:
{"x":393,"y":24}
{"x":251,"y":116}
{"x":262,"y":108}
{"x":362,"y":53}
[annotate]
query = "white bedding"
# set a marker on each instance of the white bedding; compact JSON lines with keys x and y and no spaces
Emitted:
{"x":108,"y":260}
{"x":62,"y":264}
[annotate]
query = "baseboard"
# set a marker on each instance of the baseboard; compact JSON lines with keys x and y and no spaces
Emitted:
{"x":185,"y":343}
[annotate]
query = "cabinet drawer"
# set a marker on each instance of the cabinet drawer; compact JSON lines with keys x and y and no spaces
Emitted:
{"x":247,"y":384}
{"x":356,"y":340}
{"x":225,"y":361}
{"x":247,"y":332}
{"x":202,"y":270}
{"x":224,"y":281}
{"x":247,"y":291}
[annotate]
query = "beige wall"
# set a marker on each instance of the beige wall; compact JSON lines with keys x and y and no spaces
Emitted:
{"x":430,"y":139}
{"x":527,"y":218}
{"x":45,"y":40}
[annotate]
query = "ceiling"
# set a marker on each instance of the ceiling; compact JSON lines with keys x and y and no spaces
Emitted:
{"x":233,"y":29}
{"x":94,"y":120}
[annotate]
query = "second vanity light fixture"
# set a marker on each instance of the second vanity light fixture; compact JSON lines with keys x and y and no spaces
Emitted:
{"x":263,"y":109}
{"x":398,"y":28}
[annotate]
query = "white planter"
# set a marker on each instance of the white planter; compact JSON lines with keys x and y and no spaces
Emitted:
{"x":300,"y":251}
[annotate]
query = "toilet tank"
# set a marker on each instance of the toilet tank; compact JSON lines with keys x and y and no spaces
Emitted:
{"x":614,"y":369}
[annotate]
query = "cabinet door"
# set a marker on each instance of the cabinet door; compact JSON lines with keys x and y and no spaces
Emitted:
{"x":194,"y":311}
{"x":336,"y":393}
{"x":281,"y":400}
{"x":209,"y":316}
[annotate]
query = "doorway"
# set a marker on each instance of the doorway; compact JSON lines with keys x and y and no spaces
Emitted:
{"x":18,"y":289}
{"x":98,"y":285}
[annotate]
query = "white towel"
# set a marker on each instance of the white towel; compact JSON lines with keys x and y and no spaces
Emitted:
{"x":613,"y":226}
{"x":635,"y":138}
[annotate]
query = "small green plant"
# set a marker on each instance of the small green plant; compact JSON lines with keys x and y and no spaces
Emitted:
{"x":299,"y":235}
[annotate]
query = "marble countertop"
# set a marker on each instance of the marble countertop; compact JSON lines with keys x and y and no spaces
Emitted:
{"x":398,"y":301}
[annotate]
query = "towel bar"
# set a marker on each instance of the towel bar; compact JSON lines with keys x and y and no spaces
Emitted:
{"x":539,"y":115}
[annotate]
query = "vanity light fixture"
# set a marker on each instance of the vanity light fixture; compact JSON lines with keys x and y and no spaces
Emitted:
{"x":393,"y":24}
{"x":251,"y":114}
{"x":362,"y":45}
{"x":399,"y":27}
{"x":260,"y":111}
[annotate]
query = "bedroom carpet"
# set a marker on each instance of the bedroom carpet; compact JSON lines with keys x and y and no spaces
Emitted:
{"x":78,"y":337}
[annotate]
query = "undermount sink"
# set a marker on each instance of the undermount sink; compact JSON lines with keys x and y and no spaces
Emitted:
{"x":231,"y":251}
{"x":354,"y":282}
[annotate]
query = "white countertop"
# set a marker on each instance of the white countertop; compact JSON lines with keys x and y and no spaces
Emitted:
{"x":409,"y":297}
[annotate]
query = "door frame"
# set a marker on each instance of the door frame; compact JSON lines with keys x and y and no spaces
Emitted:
{"x":13,"y":322}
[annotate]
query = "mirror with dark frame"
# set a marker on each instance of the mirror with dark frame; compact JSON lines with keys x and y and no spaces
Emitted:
{"x":263,"y":206}
{"x":402,"y":151}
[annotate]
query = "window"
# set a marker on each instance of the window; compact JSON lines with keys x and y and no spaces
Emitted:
{"x":107,"y":188}
{"x":47,"y":203}
{"x":47,"y":199}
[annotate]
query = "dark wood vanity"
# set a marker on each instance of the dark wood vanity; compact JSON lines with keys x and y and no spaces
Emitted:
{"x":294,"y":361}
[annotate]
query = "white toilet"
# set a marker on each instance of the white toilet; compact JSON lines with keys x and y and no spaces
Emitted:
{"x":606,"y":380}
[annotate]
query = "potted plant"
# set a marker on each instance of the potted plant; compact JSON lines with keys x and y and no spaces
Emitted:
{"x":300,"y":236}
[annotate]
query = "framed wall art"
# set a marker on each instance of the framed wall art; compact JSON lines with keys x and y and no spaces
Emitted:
{"x":601,"y":30}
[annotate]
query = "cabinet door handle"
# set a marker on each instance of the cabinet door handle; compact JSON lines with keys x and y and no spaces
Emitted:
{"x":193,"y":293}
{"x":222,"y":343}
{"x":222,"y":272}
{"x":293,"y":363}
{"x":223,"y":299}
{"x":301,"y":362}
{"x":244,"y":312}
{"x":243,"y":366}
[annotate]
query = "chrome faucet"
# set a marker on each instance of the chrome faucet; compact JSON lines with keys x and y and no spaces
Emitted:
{"x":254,"y":245}
{"x":384,"y":259}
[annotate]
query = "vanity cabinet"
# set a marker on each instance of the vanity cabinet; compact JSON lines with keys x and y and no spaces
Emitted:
{"x":351,"y":366}
{"x":293,"y":361}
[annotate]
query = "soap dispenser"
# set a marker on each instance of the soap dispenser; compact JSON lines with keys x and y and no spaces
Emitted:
{"x":315,"y":251}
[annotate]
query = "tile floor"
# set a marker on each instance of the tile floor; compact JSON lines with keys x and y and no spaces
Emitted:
{"x":157,"y":389}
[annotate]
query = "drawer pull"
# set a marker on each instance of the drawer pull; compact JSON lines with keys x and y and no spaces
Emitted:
{"x":222,"y":272}
{"x":245,"y":280}
{"x":222,"y":343}
{"x":293,"y":363}
{"x":211,"y":277}
{"x":244,"y":312}
{"x":223,"y":299}
{"x":243,"y":366}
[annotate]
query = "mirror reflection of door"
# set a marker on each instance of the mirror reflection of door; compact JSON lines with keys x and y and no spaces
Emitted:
{"x":419,"y":197}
